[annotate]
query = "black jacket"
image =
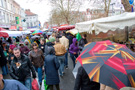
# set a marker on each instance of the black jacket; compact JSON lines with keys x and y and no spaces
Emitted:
{"x":3,"y":60}
{"x":42,"y":47}
{"x":24,"y":71}
{"x":81,"y":43}
{"x":83,"y":82}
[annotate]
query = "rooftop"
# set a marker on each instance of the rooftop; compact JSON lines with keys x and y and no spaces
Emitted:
{"x":29,"y":13}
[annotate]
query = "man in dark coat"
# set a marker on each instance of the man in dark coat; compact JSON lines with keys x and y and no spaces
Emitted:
{"x":3,"y":60}
{"x":82,"y":42}
{"x":70,"y":38}
{"x":21,"y":68}
{"x":51,"y":66}
{"x":83,"y":82}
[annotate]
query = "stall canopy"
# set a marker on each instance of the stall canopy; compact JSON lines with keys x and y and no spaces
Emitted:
{"x":66,"y":27}
{"x":2,"y":29}
{"x":108,"y":23}
{"x":13,"y":33}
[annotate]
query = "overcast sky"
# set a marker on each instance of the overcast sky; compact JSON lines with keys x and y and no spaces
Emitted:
{"x":43,"y":8}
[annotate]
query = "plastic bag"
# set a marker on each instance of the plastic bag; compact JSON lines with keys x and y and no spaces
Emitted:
{"x":45,"y":85}
{"x":35,"y":85}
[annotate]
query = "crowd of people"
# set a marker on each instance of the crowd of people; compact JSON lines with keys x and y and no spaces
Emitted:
{"x":26,"y":59}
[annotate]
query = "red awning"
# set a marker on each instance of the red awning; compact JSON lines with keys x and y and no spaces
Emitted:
{"x":4,"y":34}
{"x":66,"y":27}
{"x":2,"y":29}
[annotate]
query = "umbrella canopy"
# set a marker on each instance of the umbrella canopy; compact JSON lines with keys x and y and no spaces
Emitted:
{"x":33,"y":37}
{"x":109,"y":63}
{"x":49,"y":33}
{"x":37,"y":32}
{"x":4,"y":34}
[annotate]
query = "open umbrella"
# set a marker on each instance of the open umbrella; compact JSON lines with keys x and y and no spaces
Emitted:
{"x":4,"y":34}
{"x":33,"y":37}
{"x":109,"y":63}
{"x":37,"y":32}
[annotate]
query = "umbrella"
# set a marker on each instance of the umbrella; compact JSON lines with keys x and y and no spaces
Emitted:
{"x":37,"y":32}
{"x":109,"y":63}
{"x":33,"y":37}
{"x":4,"y":34}
{"x":49,"y":33}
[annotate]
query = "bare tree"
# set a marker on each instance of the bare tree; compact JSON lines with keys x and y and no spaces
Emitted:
{"x":126,"y":5}
{"x":65,"y":7}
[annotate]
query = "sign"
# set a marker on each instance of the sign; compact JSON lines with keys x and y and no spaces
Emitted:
{"x":131,"y":2}
{"x":17,"y":20}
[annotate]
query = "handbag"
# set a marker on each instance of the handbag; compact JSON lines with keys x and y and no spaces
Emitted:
{"x":35,"y":85}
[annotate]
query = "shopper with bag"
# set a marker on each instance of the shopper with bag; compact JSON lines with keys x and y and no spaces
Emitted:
{"x":52,"y":65}
{"x":21,"y":68}
{"x":37,"y":58}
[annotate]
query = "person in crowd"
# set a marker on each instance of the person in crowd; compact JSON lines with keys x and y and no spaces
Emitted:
{"x":60,"y":51}
{"x":17,"y":40}
{"x":42,"y":45}
{"x":5,"y":49}
{"x":3,"y":62}
{"x":37,"y":41}
{"x":27,"y":38}
{"x":24,"y":50}
{"x":64,"y":41}
{"x":83,"y":82}
{"x":74,"y":50}
{"x":49,"y":44}
{"x":9,"y":40}
{"x":37,"y":58}
{"x":21,"y":68}
{"x":70,"y":38}
{"x":51,"y":66}
{"x":27,"y":44}
{"x":104,"y":87}
{"x":82,"y":42}
{"x":11,"y":55}
{"x":6,"y":84}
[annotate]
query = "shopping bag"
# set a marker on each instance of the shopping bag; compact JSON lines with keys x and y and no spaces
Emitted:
{"x":35,"y":85}
{"x":45,"y":85}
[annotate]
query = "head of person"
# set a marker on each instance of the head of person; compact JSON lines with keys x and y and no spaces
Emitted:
{"x":11,"y":47}
{"x":3,"y":44}
{"x":17,"y":52}
{"x":57,"y":40}
{"x":63,"y":34}
{"x":84,"y":36}
{"x":35,"y":47}
{"x":21,"y":45}
{"x":75,"y":41}
{"x":52,"y":40}
{"x":53,"y":35}
{"x":42,"y":41}
{"x":51,"y":50}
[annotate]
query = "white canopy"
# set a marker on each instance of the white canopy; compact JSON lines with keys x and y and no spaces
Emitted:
{"x":13,"y":33}
{"x":107,"y":23}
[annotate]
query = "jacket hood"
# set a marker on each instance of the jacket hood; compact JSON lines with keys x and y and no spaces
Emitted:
{"x":51,"y":50}
{"x":26,"y":41}
{"x":49,"y":44}
{"x":74,"y":41}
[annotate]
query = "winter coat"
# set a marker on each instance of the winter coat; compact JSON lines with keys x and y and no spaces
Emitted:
{"x":83,"y":82}
{"x":24,"y":50}
{"x":37,"y":58}
{"x":60,"y":49}
{"x":51,"y":66}
{"x":24,"y":71}
{"x":49,"y":44}
{"x":9,"y":57}
{"x":81,"y":43}
{"x":73,"y":47}
{"x":42,"y":47}
{"x":3,"y":60}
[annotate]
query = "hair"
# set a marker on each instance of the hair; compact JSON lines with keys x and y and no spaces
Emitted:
{"x":34,"y":44}
{"x":15,"y":49}
{"x":85,"y":35}
{"x":63,"y":34}
{"x":57,"y":39}
{"x":42,"y":39}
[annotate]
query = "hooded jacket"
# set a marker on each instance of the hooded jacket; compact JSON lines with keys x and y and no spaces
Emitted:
{"x":48,"y":44}
{"x":73,"y":47}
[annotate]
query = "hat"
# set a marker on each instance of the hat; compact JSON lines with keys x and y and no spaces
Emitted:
{"x":52,"y":39}
{"x":12,"y":47}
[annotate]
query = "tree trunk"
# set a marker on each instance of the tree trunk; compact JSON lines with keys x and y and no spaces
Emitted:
{"x":126,"y":5}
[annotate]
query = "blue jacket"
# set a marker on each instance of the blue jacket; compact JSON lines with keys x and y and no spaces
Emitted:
{"x":51,"y":65}
{"x":13,"y":85}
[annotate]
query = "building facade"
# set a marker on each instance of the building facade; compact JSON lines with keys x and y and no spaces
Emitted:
{"x":32,"y":19}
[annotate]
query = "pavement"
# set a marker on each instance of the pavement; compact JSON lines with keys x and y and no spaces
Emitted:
{"x":67,"y":81}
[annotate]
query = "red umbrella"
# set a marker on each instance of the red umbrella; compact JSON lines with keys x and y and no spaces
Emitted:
{"x":2,"y":29}
{"x":66,"y":27}
{"x":4,"y":34}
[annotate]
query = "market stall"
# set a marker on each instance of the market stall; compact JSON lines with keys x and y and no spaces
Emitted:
{"x":13,"y":33}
